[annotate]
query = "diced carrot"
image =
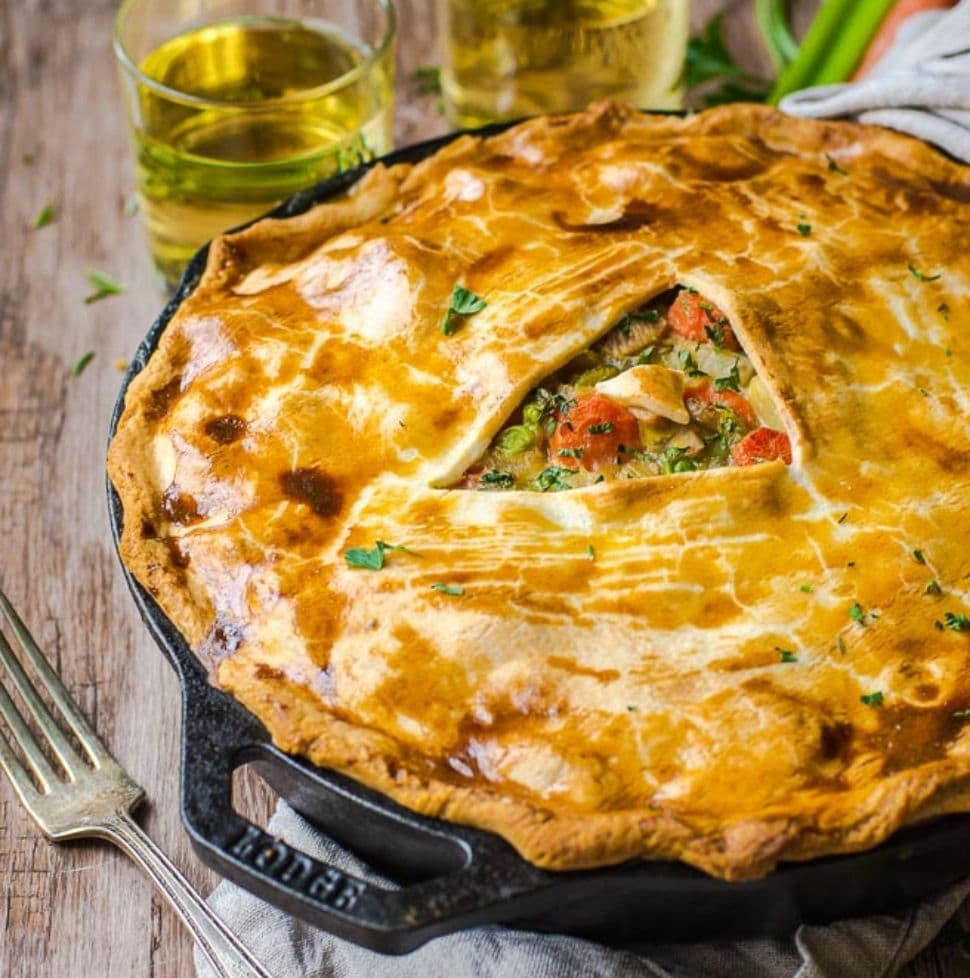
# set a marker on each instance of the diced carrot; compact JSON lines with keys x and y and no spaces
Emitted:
{"x":591,"y":433}
{"x":762,"y":445}
{"x":695,"y":318}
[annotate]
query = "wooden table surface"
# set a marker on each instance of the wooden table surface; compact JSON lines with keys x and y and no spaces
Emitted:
{"x":83,"y":910}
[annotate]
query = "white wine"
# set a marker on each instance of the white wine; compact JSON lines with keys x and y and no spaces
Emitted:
{"x":250,"y":118}
{"x":505,"y":59}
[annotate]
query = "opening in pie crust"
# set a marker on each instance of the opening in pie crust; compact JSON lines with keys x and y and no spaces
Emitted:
{"x":668,"y":389}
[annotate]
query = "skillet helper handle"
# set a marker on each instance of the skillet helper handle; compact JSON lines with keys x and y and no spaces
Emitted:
{"x":229,"y":957}
{"x":216,"y":739}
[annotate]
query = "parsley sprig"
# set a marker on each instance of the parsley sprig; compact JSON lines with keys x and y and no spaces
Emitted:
{"x":452,"y":590}
{"x":464,"y":302}
{"x":373,"y":559}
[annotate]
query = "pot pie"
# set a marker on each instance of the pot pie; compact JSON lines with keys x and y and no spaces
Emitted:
{"x":604,"y":484}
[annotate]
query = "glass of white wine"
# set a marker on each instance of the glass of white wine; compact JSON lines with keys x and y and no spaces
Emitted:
{"x":507,"y":59}
{"x":235,"y":104}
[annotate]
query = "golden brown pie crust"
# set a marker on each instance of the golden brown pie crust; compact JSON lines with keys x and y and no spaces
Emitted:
{"x":303,"y":401}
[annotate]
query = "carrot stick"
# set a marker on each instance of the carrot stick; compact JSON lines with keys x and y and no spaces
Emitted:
{"x":853,"y":39}
{"x":888,"y":29}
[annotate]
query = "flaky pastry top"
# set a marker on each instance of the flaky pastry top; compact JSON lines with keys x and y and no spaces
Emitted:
{"x":598,"y":674}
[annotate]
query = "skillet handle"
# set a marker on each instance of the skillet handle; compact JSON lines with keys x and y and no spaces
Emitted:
{"x":494,"y":884}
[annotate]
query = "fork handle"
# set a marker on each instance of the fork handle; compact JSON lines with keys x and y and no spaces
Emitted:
{"x":226,"y":953}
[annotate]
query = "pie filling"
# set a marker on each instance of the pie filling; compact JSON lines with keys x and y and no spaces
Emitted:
{"x":667,"y":390}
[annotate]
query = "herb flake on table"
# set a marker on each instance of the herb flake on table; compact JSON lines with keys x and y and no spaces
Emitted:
{"x":873,"y":699}
{"x":922,"y":276}
{"x":45,"y":215}
{"x":428,"y":79}
{"x":464,"y":302}
{"x":104,"y":285}
{"x":372,"y":559}
{"x":452,"y":590}
{"x":81,"y":363}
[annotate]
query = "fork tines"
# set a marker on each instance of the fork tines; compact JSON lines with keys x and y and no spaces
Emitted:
{"x":69,"y":759}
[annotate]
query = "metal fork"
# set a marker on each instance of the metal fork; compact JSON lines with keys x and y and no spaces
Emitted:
{"x":95,"y":795}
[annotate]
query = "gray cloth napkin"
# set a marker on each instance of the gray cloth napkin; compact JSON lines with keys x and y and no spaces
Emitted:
{"x":876,"y":947}
{"x":921,"y":86}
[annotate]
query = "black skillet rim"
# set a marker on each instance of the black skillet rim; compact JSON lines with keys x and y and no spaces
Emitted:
{"x":473,"y":877}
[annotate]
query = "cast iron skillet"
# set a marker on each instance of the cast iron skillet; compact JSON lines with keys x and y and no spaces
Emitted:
{"x":454,"y":877}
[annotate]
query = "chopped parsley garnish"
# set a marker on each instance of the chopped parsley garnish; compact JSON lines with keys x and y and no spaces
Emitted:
{"x":786,"y":655}
{"x":919,"y":556}
{"x":452,"y":590}
{"x":933,"y":587}
{"x":873,"y":699}
{"x":857,"y":614}
{"x":498,"y":479}
{"x":806,"y":589}
{"x":464,"y":302}
{"x":956,"y":621}
{"x":372,"y":559}
{"x":715,"y":334}
{"x":103,"y":284}
{"x":960,"y":714}
{"x":601,"y":429}
{"x":732,"y":382}
{"x":646,"y":354}
{"x":917,"y":274}
{"x":45,"y":215}
{"x":923,"y":391}
{"x":552,"y":479}
{"x":82,"y":362}
{"x":570,"y":453}
{"x":637,"y":316}
{"x":803,"y":229}
{"x":689,"y":365}
{"x":590,"y":552}
{"x":673,"y":459}
{"x":840,"y":642}
{"x":834,"y":166}
{"x":428,"y":79}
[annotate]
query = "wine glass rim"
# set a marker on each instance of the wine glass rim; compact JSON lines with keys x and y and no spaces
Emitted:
{"x":328,"y":88}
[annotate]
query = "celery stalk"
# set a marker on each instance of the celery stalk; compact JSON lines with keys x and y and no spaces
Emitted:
{"x":854,"y":38}
{"x":772,"y":19}
{"x":822,"y":36}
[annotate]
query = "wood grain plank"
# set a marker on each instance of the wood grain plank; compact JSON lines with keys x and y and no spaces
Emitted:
{"x":83,"y":910}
